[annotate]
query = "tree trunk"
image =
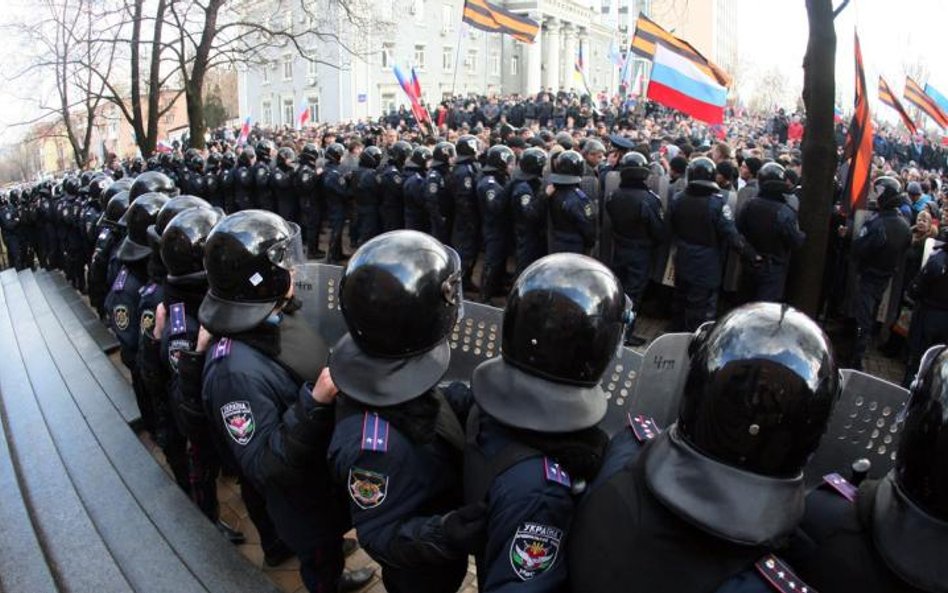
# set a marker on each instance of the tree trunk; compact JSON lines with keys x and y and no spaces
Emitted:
{"x":194,"y":96}
{"x":804,"y":287}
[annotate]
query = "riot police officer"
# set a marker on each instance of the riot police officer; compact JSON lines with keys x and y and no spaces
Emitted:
{"x":637,"y":226}
{"x":9,"y":225}
{"x":465,"y":218}
{"x":213,"y":192}
{"x":243,"y":184}
{"x":307,"y":188}
{"x":888,"y":535}
{"x":335,"y":189}
{"x":493,"y":203}
{"x":702,"y":226}
{"x":366,"y":186}
{"x":267,"y":391}
{"x":770,"y":225}
{"x":705,"y":505}
{"x":533,"y":439}
{"x":287,"y":200}
{"x":414,"y":190}
{"x":107,"y":240}
{"x":438,"y":199}
{"x":528,"y":206}
{"x":263,"y":196}
{"x":393,"y":178}
{"x":194,"y":181}
{"x":572,"y":213}
{"x":398,"y":441}
{"x":225,"y":180}
{"x":151,"y":182}
{"x":879,"y":251}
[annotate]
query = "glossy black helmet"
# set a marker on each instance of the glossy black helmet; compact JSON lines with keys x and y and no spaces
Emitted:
{"x":371,"y":157}
{"x":760,"y":390}
{"x":115,"y":209}
{"x":196,"y":162}
{"x":335,"y":152}
{"x":228,"y":160}
{"x":245,"y":158}
{"x":701,"y":174}
{"x":169,"y":210}
{"x":568,"y":168}
{"x":71,"y":185}
{"x":634,"y":166}
{"x":921,"y":465}
{"x":151,"y":182}
{"x":466,"y":148}
{"x":182,"y":242}
{"x":264,"y":150}
{"x":565,"y":318}
{"x":86,"y":178}
{"x":400,"y":295}
{"x":286,"y":158}
{"x":420,"y":158}
{"x":887,"y":192}
{"x":98,"y":188}
{"x":500,"y":158}
{"x":249,"y":258}
{"x":772,"y":179}
{"x":532,"y":162}
{"x":399,"y":152}
{"x":443,"y":154}
{"x":120,"y":185}
{"x":140,"y":215}
{"x":213,"y":161}
{"x":310,"y":154}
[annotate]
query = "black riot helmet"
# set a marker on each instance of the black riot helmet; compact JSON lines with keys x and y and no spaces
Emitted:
{"x":568,"y":168}
{"x":97,"y":188}
{"x":86,"y":178}
{"x":371,"y":157}
{"x":335,"y":152}
{"x":264,"y":150}
{"x":71,"y":185}
{"x":399,"y":153}
{"x":172,"y":208}
{"x":249,"y":258}
{"x":213,"y":162}
{"x":420,"y":157}
{"x":921,"y":464}
{"x":772,"y":179}
{"x":565,"y":318}
{"x":228,"y":160}
{"x":310,"y":154}
{"x":466,"y":148}
{"x":443,"y":154}
{"x":532,"y":162}
{"x":119,"y":186}
{"x":634,"y":166}
{"x":701,"y":174}
{"x":286,"y":158}
{"x":400,"y":295}
{"x":245,"y":158}
{"x":137,"y":165}
{"x":115,"y":209}
{"x":760,"y":390}
{"x":182,"y":242}
{"x":886,"y":192}
{"x":140,"y":215}
{"x":191,"y":153}
{"x":500,"y":158}
{"x":196,"y":162}
{"x":151,"y":182}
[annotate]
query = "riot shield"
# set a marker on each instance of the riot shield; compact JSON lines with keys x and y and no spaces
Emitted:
{"x":620,"y":382}
{"x":864,"y":425}
{"x":474,"y":339}
{"x":317,"y":287}
{"x":661,"y":378}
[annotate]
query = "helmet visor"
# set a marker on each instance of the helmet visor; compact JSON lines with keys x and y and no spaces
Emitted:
{"x":288,"y":253}
{"x":927,"y":359}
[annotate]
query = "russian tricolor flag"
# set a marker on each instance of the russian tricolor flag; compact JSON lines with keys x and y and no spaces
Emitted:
{"x":679,"y":83}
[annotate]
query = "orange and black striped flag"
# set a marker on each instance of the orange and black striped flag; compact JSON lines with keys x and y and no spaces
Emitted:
{"x":888,"y":97}
{"x":486,"y":16}
{"x":915,"y":95}
{"x":648,"y":33}
{"x":859,"y":143}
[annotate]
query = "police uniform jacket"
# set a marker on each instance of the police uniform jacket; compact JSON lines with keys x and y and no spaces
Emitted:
{"x":572,"y":220}
{"x":881,"y":245}
{"x":702,"y":227}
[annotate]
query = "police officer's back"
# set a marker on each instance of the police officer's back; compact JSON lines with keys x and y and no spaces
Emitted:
{"x":263,"y":196}
{"x":366,"y":191}
{"x":891,"y":534}
{"x":533,"y":439}
{"x":335,"y":189}
{"x":494,"y":207}
{"x":706,"y":504}
{"x":438,"y":199}
{"x":306,"y":183}
{"x":243,"y":181}
{"x":465,"y":218}
{"x":528,"y":208}
{"x":393,"y":178}
{"x":281,"y":182}
{"x":414,"y":190}
{"x":573,"y":226}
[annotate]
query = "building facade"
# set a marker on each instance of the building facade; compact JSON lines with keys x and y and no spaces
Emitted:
{"x":450,"y":58}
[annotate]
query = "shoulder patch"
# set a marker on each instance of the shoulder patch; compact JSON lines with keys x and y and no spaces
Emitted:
{"x":432,"y":188}
{"x":525,"y":200}
{"x":222,"y":349}
{"x":367,"y":489}
{"x":556,"y":474}
{"x":375,"y":431}
{"x":467,"y":182}
{"x":588,"y":210}
{"x":643,"y":427}
{"x":726,"y":211}
{"x":238,"y":418}
{"x":841,"y":485}
{"x":534,"y":549}
{"x":179,"y":323}
{"x":779,"y":576}
{"x":490,"y":195}
{"x":119,"y":283}
{"x":147,"y":320}
{"x":397,"y":179}
{"x":120,"y":317}
{"x":864,"y":231}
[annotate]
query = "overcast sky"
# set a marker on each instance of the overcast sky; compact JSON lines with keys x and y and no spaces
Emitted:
{"x":773,"y":33}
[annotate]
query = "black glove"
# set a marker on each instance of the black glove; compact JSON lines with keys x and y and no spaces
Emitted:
{"x":465,"y":529}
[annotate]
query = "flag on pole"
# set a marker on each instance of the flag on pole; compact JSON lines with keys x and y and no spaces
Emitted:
{"x":244,"y":132}
{"x":917,"y":97}
{"x":493,"y":18}
{"x":614,"y":54}
{"x":888,"y":98}
{"x":412,"y":88}
{"x":939,"y":98}
{"x":304,"y":113}
{"x":859,"y":143}
{"x":580,"y":68}
{"x":649,"y":36}
{"x":680,"y":83}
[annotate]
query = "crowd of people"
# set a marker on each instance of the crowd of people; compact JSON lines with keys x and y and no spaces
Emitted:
{"x":572,"y":214}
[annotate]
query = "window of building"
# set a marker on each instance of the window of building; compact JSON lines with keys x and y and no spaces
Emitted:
{"x":495,"y":63}
{"x":313,"y":106}
{"x":266,"y":113}
{"x":388,"y":102}
{"x":418,"y":9}
{"x":388,"y":55}
{"x":447,"y":59}
{"x":471,"y":61}
{"x":447,"y":18}
{"x":514,"y":65}
{"x":266,"y":73}
{"x":287,"y":67}
{"x":289,"y":117}
{"x":420,"y":57}
{"x":311,"y":65}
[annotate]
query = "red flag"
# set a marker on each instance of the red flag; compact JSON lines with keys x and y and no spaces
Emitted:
{"x":859,"y":143}
{"x":888,"y":97}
